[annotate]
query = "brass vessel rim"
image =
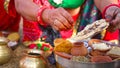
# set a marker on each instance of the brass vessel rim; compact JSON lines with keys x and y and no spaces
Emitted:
{"x":33,"y":52}
{"x":34,"y":56}
{"x":3,"y":40}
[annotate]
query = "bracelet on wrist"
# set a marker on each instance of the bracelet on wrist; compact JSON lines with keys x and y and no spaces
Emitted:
{"x":39,"y":15}
{"x":104,"y":11}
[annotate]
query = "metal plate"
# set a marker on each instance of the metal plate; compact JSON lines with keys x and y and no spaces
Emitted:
{"x":72,"y":64}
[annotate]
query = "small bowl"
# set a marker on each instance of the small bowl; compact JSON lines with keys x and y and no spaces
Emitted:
{"x":93,"y":41}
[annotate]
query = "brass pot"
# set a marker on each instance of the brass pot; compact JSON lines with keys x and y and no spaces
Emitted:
{"x":33,"y":59}
{"x":5,"y":51}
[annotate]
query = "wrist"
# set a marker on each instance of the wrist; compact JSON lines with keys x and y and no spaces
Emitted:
{"x":107,"y":7}
{"x":39,"y":15}
{"x":45,"y":16}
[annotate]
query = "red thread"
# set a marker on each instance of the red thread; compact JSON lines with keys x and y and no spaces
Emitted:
{"x":104,"y":11}
{"x":39,"y":16}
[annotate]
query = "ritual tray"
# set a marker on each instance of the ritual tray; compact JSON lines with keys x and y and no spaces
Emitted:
{"x":66,"y":63}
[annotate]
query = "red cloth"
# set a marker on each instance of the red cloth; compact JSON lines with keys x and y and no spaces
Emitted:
{"x":31,"y":30}
{"x":9,"y":21}
{"x":111,"y":35}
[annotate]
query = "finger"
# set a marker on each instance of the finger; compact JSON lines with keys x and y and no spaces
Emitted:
{"x":64,"y":22}
{"x":59,"y":25}
{"x":66,"y":15}
{"x":111,"y":28}
{"x":110,"y":14}
{"x":55,"y":27}
{"x":116,"y":21}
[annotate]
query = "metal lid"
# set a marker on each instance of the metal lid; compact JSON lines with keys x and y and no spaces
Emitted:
{"x":3,"y":40}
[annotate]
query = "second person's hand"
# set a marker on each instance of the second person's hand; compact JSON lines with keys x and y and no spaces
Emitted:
{"x":58,"y":18}
{"x":112,"y":15}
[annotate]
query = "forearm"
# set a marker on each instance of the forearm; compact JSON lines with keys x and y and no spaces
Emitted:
{"x":27,"y":9}
{"x":101,"y":4}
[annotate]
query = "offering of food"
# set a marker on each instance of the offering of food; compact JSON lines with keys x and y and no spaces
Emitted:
{"x":101,"y":46}
{"x":79,"y":49}
{"x":94,"y":41}
{"x":13,"y":36}
{"x":97,"y":53}
{"x":100,"y":59}
{"x":114,"y":52}
{"x":81,"y":59}
{"x":64,"y":55}
{"x":62,"y":45}
{"x":97,"y":44}
{"x":91,"y":30}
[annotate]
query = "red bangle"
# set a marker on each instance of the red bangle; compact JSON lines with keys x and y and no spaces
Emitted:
{"x":39,"y":15}
{"x":104,"y":11}
{"x":119,"y":2}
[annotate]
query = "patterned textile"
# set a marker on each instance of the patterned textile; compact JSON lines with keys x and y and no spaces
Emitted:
{"x":89,"y":14}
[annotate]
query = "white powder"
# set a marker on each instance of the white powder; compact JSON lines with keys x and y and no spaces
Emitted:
{"x":101,"y":46}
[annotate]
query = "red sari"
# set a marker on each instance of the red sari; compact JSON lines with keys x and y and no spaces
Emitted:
{"x":8,"y":21}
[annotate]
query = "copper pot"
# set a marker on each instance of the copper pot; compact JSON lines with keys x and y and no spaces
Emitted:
{"x":79,"y":49}
{"x":33,"y":59}
{"x":5,"y":51}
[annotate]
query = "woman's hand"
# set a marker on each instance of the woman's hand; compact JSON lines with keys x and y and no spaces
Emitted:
{"x":112,"y":15}
{"x":58,"y":18}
